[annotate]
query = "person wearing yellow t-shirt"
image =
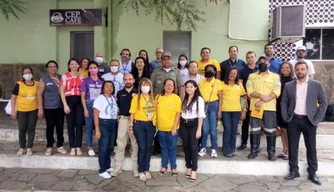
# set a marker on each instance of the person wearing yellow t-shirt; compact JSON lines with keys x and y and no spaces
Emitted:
{"x":168,"y":116}
{"x":210,"y":89}
{"x":205,"y":60}
{"x":232,"y":111}
{"x":263,"y":88}
{"x":84,"y":67}
{"x":142,"y":125}
{"x":24,"y":109}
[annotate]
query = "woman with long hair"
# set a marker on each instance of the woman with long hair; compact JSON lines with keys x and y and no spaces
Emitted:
{"x":143,"y":53}
{"x":182,"y":65}
{"x":286,"y":75}
{"x":70,"y":85}
{"x":140,"y":71}
{"x":24,"y":109}
{"x":90,"y":90}
{"x":191,"y":126}
{"x":84,"y":67}
{"x":50,"y":105}
{"x":168,"y":118}
{"x":105,"y":120}
{"x":142,"y":125}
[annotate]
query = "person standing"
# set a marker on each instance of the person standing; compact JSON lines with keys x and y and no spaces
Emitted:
{"x":90,"y":90}
{"x":156,"y":63}
{"x":274,"y":62}
{"x":303,"y":112}
{"x":140,"y":71}
{"x":168,"y":117}
{"x":103,"y":68}
{"x":115,"y":76}
{"x":125,"y":64}
{"x":84,"y":67}
{"x":50,"y":105}
{"x":263,"y":88}
{"x":143,"y":53}
{"x":205,"y":60}
{"x":124,"y":98}
{"x":233,"y":61}
{"x":193,"y":73}
{"x":301,"y":53}
{"x":182,"y":65}
{"x":191,"y":126}
{"x":105,"y":121}
{"x":24,"y":109}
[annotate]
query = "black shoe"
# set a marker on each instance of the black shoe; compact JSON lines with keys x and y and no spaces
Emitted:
{"x":292,"y":175}
{"x":254,"y":146}
{"x":228,"y":155}
{"x":271,"y":144}
{"x":242,"y":147}
{"x":314,"y":179}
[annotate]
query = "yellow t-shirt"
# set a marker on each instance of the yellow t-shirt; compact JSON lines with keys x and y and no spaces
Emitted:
{"x":231,"y":97}
{"x":27,"y":97}
{"x":205,"y":88}
{"x":167,"y":108}
{"x":84,"y":73}
{"x":146,"y":110}
{"x":202,"y":65}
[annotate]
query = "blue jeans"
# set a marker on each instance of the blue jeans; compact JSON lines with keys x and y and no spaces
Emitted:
{"x":168,"y":144}
{"x":89,"y":123}
{"x":144,"y":133}
{"x":230,"y":122}
{"x":210,"y":125}
{"x":106,"y":142}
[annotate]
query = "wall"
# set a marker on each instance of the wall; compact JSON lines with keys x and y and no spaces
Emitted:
{"x":324,"y":72}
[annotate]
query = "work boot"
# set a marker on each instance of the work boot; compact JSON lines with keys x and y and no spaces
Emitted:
{"x":254,"y":146}
{"x":271,"y":145}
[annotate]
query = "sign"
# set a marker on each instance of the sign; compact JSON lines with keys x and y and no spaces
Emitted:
{"x":75,"y":17}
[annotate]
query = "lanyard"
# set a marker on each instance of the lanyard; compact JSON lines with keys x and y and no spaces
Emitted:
{"x":109,"y":105}
{"x":236,"y":61}
{"x":147,"y":103}
{"x":126,"y":67}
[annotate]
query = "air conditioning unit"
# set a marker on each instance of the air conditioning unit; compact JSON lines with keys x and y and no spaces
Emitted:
{"x":287,"y":23}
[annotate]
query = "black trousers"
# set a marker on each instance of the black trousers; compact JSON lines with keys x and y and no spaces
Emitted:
{"x":27,"y":126}
{"x":74,"y":121}
{"x":190,"y":147}
{"x":54,"y":118}
{"x":298,"y":125}
{"x":245,"y":127}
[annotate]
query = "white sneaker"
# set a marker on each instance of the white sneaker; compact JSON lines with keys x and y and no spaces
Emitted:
{"x":213,"y":153}
{"x":105,"y":175}
{"x":110,"y":170}
{"x":91,"y":152}
{"x":202,"y":152}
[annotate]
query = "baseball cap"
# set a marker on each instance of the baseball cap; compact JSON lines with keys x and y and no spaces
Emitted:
{"x":166,"y":54}
{"x":301,"y":48}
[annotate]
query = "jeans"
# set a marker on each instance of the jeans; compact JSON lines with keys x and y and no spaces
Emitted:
{"x":230,"y":123}
{"x":144,"y":133}
{"x":74,"y":121}
{"x":210,"y":125}
{"x":27,"y":125}
{"x":168,"y":144}
{"x":188,"y":134}
{"x":54,"y":118}
{"x":89,"y":123}
{"x":106,"y":142}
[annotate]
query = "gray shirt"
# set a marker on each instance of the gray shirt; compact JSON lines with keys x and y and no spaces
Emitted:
{"x":103,"y":69}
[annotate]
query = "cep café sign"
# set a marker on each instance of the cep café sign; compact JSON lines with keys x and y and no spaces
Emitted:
{"x":75,"y":17}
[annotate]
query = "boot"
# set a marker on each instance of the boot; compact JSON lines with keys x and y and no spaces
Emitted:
{"x":271,"y":145}
{"x":258,"y":149}
{"x":254,"y":146}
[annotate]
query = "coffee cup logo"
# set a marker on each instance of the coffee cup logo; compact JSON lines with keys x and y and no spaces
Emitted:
{"x":57,"y":17}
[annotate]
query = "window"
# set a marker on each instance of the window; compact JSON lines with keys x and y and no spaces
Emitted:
{"x":319,"y":44}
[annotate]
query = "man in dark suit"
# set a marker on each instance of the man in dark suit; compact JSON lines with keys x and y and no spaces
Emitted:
{"x":303,"y":106}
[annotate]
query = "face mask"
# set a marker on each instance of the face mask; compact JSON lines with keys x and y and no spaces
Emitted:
{"x":99,"y":59}
{"x":145,"y":89}
{"x":263,"y":67}
{"x":93,"y":71}
{"x":183,"y":63}
{"x":27,"y":77}
{"x":209,"y":74}
{"x":114,"y":69}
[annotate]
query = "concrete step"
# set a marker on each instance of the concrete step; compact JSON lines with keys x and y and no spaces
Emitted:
{"x":238,"y":165}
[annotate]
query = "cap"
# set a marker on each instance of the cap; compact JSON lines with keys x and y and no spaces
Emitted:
{"x":301,"y":48}
{"x":166,"y":54}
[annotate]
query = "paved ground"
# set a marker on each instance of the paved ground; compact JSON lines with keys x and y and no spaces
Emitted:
{"x":16,"y":179}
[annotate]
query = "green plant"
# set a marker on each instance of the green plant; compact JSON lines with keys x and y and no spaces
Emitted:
{"x":12,"y":7}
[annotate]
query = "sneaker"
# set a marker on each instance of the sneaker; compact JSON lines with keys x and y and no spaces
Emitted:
{"x":29,"y":152}
{"x":62,"y":150}
{"x":21,"y":152}
{"x":110,"y":170}
{"x":91,"y":152}
{"x":48,"y":151}
{"x":105,"y":175}
{"x":213,"y":153}
{"x":202,"y":152}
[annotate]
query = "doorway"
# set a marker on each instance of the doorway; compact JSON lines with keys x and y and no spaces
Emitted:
{"x":82,"y":45}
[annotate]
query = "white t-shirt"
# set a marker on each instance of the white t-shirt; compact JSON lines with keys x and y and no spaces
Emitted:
{"x":193,"y":114}
{"x":311,"y":70}
{"x":106,"y":106}
{"x":117,"y":80}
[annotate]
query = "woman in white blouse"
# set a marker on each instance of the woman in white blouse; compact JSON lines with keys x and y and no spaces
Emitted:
{"x":191,"y":126}
{"x":105,"y":120}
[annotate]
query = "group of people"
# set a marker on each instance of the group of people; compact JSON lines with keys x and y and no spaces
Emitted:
{"x":153,"y":102}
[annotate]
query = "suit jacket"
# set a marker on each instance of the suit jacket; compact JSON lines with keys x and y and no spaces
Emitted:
{"x":315,"y":95}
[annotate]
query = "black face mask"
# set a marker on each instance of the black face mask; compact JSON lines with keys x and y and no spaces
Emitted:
{"x":263,"y":67}
{"x":209,"y":74}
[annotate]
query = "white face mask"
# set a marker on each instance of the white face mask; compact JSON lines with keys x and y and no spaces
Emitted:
{"x":27,"y":77}
{"x":99,"y":59}
{"x":145,"y":89}
{"x":114,"y":69}
{"x":183,"y":63}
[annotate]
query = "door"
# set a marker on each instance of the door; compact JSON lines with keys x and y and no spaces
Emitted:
{"x":82,"y":45}
{"x":177,"y":43}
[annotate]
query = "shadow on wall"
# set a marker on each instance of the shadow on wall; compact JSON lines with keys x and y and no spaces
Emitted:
{"x":325,"y":73}
{"x":11,"y":73}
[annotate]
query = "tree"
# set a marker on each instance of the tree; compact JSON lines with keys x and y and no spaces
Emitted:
{"x":12,"y":7}
{"x":176,"y":12}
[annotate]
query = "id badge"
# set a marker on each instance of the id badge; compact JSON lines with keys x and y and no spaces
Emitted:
{"x":149,"y":116}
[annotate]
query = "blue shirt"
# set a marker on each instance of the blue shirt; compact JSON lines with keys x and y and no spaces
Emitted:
{"x":154,"y":64}
{"x":245,"y":72}
{"x":275,"y":65}
{"x":227,"y":64}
